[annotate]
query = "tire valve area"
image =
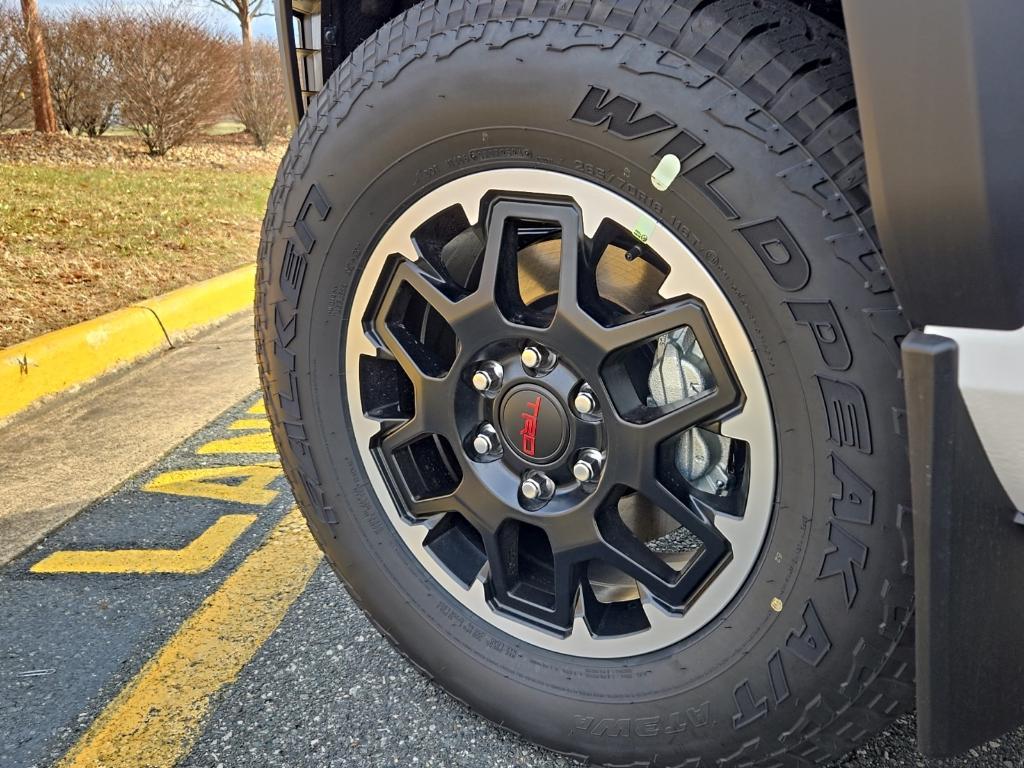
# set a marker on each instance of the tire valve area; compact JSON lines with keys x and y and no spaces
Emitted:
{"x":666,"y":172}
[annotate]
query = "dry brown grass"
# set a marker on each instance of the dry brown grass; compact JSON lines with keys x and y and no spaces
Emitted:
{"x":88,"y":226}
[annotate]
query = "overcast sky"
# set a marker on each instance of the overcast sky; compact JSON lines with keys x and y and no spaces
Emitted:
{"x":216,"y":17}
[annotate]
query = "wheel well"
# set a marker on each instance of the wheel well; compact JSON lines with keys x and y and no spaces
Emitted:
{"x":830,"y":10}
{"x":355,"y":20}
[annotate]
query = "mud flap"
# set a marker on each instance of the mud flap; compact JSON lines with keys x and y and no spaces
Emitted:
{"x":968,"y":557}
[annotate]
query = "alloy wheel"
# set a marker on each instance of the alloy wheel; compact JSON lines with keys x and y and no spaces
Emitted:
{"x":561,"y":413}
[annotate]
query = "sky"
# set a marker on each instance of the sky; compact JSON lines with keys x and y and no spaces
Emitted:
{"x":216,"y":17}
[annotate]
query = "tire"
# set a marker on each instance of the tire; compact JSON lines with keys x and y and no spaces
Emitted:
{"x":813,"y":652}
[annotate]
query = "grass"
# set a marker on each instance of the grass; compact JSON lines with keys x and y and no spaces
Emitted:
{"x":223,"y":128}
{"x":78,"y":242}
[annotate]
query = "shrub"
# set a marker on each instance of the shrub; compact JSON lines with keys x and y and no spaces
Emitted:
{"x":172,"y":75}
{"x":260,"y":104}
{"x":79,"y":52}
{"x":15,"y":94}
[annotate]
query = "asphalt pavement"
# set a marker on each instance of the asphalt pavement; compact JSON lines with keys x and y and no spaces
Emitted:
{"x":185,"y":619}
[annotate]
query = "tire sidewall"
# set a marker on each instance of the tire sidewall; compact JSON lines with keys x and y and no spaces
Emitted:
{"x":691,"y":696}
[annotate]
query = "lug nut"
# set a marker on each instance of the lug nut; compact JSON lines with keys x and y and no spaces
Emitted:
{"x":585,"y":401}
{"x":532,"y":357}
{"x":485,"y":443}
{"x":535,"y":358}
{"x":531,"y":489}
{"x":487,"y":377}
{"x":482,"y":444}
{"x":588,"y":466}
{"x":537,"y":487}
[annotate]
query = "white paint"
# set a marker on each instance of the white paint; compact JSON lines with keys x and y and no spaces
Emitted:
{"x":991,"y":378}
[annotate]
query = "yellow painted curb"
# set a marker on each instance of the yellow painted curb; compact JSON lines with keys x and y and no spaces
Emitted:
{"x":63,"y":359}
{"x":203,"y":303}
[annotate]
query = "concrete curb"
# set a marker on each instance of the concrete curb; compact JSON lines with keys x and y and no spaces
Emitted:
{"x":67,"y":358}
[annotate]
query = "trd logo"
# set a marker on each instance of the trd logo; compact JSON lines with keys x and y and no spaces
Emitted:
{"x":528,"y":433}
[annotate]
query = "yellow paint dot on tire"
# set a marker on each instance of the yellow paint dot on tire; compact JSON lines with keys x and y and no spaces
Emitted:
{"x":776,"y":605}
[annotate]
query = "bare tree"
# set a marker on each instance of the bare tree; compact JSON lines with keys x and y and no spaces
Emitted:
{"x":42,"y":106}
{"x":15,"y":103}
{"x":261,"y":104}
{"x":172,"y":75}
{"x":245,"y":11}
{"x":79,"y":49}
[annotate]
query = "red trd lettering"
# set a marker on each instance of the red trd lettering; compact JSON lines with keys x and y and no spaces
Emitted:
{"x":529,"y":431}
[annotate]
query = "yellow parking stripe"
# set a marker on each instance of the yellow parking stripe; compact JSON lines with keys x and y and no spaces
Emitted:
{"x":248,"y":424}
{"x":154,"y":721}
{"x":208,"y":483}
{"x":198,"y":556}
{"x":258,"y":407}
{"x":257,"y":442}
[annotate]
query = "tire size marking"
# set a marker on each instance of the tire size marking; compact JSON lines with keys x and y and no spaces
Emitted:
{"x":471,"y":157}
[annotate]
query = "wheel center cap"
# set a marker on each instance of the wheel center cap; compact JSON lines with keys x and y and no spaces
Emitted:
{"x":534,"y":424}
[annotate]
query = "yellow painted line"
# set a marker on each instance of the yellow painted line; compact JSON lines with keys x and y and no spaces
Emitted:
{"x":71,"y":356}
{"x":155,"y":720}
{"x":208,"y":483}
{"x":260,"y":408}
{"x":198,"y":556}
{"x":257,"y":442}
{"x":248,"y":424}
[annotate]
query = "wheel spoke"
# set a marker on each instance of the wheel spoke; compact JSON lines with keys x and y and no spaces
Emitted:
{"x":404,"y":343}
{"x":540,"y":586}
{"x":402,"y":435}
{"x":700,"y":522}
{"x":435,"y":505}
{"x":426,"y":420}
{"x":427,"y":286}
{"x":657,"y":423}
{"x":651,"y":324}
{"x":664,"y":319}
{"x":622,"y":549}
{"x":566,"y":589}
{"x":703,"y":410}
{"x":498,"y":273}
{"x":577,"y":277}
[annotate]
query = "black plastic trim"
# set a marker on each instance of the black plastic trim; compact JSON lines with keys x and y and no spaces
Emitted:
{"x":968,"y":552}
{"x":289,"y":59}
{"x":941,"y":110}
